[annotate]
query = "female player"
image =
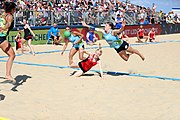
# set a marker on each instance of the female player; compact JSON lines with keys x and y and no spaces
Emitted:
{"x":6,"y":24}
{"x":140,"y":35}
{"x":123,"y":36}
{"x":76,"y":39}
{"x":151,"y":35}
{"x":121,"y":46}
{"x":19,"y":43}
{"x":87,"y":63}
{"x":28,"y":35}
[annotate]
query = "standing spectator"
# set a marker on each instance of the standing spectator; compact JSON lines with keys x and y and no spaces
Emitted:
{"x":153,"y":8}
{"x":152,"y":19}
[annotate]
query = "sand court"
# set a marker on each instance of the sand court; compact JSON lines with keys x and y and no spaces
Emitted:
{"x":46,"y":91}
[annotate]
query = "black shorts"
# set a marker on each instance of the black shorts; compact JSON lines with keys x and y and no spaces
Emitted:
{"x":150,"y":39}
{"x":124,"y":46}
{"x":141,"y":37}
{"x":52,"y":37}
{"x":28,"y":37}
{"x":2,"y":39}
{"x":80,"y":66}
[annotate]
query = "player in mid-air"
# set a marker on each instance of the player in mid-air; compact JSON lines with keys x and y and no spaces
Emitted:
{"x":122,"y":47}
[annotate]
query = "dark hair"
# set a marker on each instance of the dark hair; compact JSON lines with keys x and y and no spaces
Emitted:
{"x":68,"y":26}
{"x":8,"y":6}
{"x":111,"y":25}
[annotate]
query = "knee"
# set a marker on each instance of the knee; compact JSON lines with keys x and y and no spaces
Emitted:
{"x":12,"y":56}
{"x":70,"y":57}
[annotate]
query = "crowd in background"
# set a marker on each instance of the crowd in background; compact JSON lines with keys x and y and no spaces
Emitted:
{"x":46,"y":12}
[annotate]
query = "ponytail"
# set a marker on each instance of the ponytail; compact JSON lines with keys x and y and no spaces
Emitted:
{"x":8,"y":6}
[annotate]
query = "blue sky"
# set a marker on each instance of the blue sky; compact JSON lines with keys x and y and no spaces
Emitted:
{"x":165,"y":5}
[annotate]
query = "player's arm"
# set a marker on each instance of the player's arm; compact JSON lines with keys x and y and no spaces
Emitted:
{"x":126,"y":36}
{"x":100,"y":69}
{"x":91,"y":27}
{"x":16,"y":37}
{"x":65,"y":46}
{"x":115,"y":32}
{"x":149,"y":34}
{"x":9,"y":20}
{"x":88,"y":53}
{"x":78,"y":34}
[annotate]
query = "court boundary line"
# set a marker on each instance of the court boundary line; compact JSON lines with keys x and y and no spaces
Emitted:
{"x":135,"y":44}
{"x":104,"y":71}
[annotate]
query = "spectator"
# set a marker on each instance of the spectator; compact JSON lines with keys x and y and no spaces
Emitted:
{"x":146,"y":21}
{"x":153,"y":8}
{"x":55,"y":34}
{"x":118,"y":21}
{"x":91,"y":37}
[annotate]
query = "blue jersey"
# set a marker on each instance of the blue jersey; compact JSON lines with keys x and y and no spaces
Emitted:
{"x":54,"y":31}
{"x":91,"y":36}
{"x":112,"y":40}
{"x":73,"y":39}
{"x":118,"y":25}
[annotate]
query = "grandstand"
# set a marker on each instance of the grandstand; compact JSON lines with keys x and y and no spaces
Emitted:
{"x":44,"y":13}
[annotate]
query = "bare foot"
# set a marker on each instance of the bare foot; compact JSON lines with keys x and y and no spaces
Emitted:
{"x":10,"y":78}
{"x":33,"y":54}
{"x":139,"y":41}
{"x":143,"y":58}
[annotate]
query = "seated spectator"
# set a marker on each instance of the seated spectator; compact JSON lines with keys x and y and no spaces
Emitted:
{"x":91,"y":37}
{"x":146,"y":21}
{"x":140,"y":34}
{"x":118,"y":21}
{"x":54,"y":34}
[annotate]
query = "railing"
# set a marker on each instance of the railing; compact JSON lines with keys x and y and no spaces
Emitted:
{"x":46,"y":18}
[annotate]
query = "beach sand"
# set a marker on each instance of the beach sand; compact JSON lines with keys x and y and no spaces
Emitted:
{"x":47,"y":92}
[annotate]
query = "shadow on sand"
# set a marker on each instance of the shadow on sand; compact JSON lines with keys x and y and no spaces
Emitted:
{"x":20,"y":79}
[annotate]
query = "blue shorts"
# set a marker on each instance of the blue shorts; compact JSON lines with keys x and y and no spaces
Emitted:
{"x":77,"y":46}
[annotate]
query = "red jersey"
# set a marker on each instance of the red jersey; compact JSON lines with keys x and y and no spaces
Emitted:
{"x":141,"y":32}
{"x":152,"y":34}
{"x":87,"y":64}
{"x":18,"y":43}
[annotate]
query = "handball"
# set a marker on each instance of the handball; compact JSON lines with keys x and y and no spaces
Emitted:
{"x":67,"y":34}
